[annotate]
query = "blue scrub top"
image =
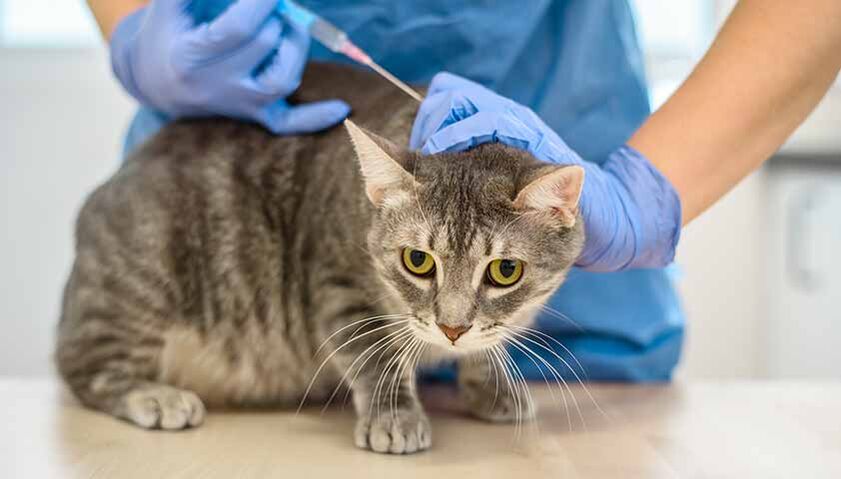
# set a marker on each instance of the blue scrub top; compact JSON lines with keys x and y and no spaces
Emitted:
{"x":578,"y":64}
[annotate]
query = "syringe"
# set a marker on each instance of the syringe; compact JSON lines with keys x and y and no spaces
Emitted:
{"x":337,"y":41}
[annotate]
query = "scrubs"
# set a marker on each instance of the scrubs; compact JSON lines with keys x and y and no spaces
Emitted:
{"x":578,"y":65}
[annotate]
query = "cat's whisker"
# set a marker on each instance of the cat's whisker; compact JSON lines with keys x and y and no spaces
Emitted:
{"x":395,"y":376}
{"x":384,"y":372}
{"x":382,"y":298}
{"x":537,"y":334}
{"x":536,"y":365}
{"x":523,"y":384}
{"x":404,"y":369}
{"x":353,"y":323}
{"x":412,"y":357}
{"x":394,"y":388}
{"x":558,"y":377}
{"x":412,"y":365}
{"x":494,"y":353}
{"x":378,"y":389}
{"x":557,"y":314}
{"x":335,"y":351}
{"x":379,"y":359}
{"x":378,"y":320}
{"x":577,"y":377}
{"x":387,"y":339}
{"x":515,"y":393}
{"x":382,"y":349}
{"x":559,"y":380}
{"x":376,"y":392}
{"x":488,"y":375}
{"x":496,"y":377}
{"x":566,"y":363}
{"x":395,"y":368}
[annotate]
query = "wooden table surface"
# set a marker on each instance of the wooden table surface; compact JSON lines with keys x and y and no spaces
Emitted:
{"x":708,"y":429}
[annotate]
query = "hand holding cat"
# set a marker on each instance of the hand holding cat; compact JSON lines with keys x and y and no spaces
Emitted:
{"x":631,"y":212}
{"x":243,"y":64}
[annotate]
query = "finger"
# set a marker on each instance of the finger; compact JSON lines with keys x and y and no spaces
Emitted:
{"x":281,"y":118}
{"x":443,"y":81}
{"x":437,"y":112}
{"x":482,"y":97}
{"x":258,"y":51}
{"x":236,"y":25}
{"x":283,"y":75}
{"x":483,"y":127}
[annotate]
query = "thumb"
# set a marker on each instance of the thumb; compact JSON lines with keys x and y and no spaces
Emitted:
{"x":444,"y":80}
{"x":234,"y":27}
{"x":282,"y":119}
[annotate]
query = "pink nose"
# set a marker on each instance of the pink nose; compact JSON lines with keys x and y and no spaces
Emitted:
{"x":453,"y":333}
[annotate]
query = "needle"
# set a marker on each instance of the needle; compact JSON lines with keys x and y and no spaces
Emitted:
{"x":396,"y":81}
{"x":336,"y":40}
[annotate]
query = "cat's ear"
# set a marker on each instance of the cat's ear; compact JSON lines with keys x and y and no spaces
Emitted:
{"x":382,"y":173}
{"x":556,"y":192}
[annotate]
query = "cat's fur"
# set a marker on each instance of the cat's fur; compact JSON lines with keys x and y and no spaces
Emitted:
{"x":218,"y":258}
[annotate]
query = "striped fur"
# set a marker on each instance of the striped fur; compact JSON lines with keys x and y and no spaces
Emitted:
{"x":213,"y":264}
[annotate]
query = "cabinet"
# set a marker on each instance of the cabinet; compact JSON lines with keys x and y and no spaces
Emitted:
{"x":803,"y":271}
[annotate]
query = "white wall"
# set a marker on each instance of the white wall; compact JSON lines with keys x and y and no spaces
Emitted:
{"x":61,"y":120}
{"x":721,"y":255}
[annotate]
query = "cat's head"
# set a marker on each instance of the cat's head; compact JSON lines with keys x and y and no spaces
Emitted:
{"x":469,"y":243}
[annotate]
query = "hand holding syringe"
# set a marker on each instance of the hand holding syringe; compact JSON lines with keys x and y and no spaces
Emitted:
{"x":336,"y":40}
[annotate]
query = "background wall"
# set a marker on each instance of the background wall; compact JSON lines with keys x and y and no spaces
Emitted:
{"x":60,"y":128}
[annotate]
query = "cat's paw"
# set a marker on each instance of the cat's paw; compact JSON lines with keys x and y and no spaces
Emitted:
{"x":163,"y":407}
{"x":403,"y":432}
{"x":496,"y":405}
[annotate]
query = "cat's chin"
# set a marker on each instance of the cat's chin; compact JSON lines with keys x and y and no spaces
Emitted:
{"x":468,"y":345}
{"x":442,"y":352}
{"x":436,"y":355}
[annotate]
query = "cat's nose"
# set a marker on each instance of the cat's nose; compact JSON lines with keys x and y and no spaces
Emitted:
{"x":453,"y":332}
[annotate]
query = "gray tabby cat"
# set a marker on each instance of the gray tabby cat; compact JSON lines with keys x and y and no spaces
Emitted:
{"x":214,"y":264}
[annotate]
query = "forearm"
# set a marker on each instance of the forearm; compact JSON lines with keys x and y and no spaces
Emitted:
{"x":770,"y":65}
{"x":109,"y":13}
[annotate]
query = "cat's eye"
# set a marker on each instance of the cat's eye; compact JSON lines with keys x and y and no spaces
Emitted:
{"x":419,"y":263}
{"x":505,"y":272}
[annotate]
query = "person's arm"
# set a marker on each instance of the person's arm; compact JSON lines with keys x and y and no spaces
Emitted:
{"x":769,"y":66}
{"x":109,"y":13}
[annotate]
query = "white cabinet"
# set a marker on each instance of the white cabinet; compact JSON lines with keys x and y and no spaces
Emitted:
{"x":803,"y":275}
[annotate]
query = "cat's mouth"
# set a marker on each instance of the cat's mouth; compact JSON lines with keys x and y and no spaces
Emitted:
{"x":456,"y":340}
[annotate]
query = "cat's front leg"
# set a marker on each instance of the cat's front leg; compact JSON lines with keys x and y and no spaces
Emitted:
{"x":390,"y":416}
{"x":490,"y":393}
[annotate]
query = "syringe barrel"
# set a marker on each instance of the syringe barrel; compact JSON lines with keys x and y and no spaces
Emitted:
{"x":325,"y":32}
{"x":328,"y":35}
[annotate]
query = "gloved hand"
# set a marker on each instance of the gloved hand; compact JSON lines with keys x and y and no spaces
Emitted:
{"x":243,"y":64}
{"x":631,"y":212}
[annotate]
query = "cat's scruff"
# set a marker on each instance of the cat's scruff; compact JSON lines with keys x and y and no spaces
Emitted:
{"x":222,"y":265}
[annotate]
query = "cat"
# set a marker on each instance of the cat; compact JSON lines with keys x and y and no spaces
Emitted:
{"x":224,"y":266}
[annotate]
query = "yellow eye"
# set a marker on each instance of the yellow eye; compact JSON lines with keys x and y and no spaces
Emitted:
{"x":418,"y":262}
{"x":505,"y":272}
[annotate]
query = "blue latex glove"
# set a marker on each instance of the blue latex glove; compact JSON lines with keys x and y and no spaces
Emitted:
{"x":631,"y":212}
{"x":243,"y":64}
